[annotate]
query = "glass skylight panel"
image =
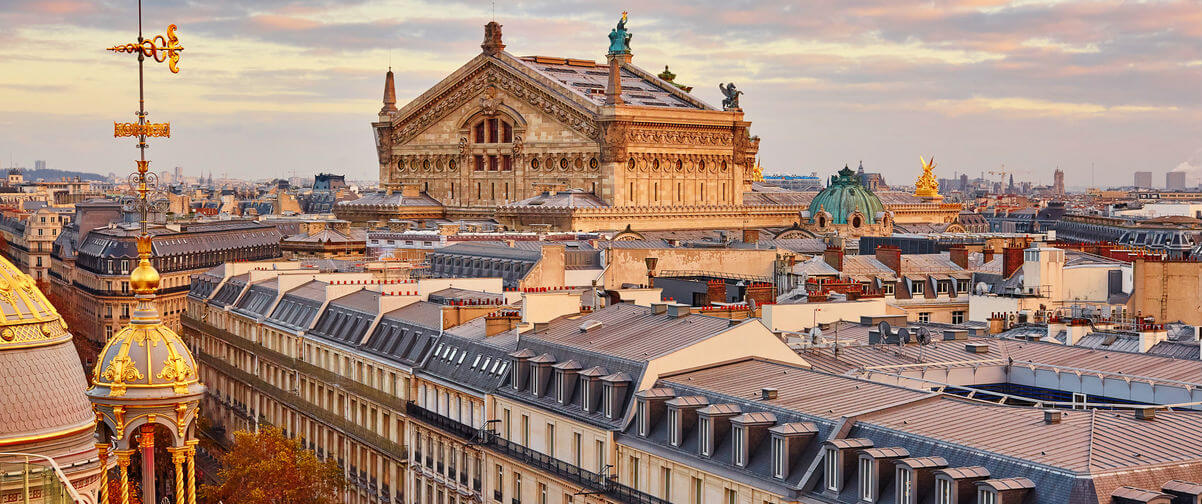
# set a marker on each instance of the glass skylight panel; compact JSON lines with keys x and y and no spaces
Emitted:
{"x":461,"y":356}
{"x":476,"y":361}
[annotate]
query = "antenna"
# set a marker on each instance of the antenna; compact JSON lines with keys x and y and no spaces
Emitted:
{"x":493,"y":6}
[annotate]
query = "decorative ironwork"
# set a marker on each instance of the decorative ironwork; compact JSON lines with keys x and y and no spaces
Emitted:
{"x":121,"y":129}
{"x":158,"y":48}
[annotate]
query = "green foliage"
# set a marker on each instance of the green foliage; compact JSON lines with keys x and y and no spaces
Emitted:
{"x":269,"y":467}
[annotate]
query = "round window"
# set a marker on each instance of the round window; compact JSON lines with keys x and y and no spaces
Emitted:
{"x":822,"y":221}
{"x":534,"y":164}
{"x":856,"y":221}
{"x":630,"y":164}
{"x":563,"y":163}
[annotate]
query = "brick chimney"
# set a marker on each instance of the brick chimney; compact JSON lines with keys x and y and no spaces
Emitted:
{"x":890,"y":256}
{"x":959,"y":255}
{"x":834,"y":257}
{"x":986,"y":255}
{"x":1012,"y":260}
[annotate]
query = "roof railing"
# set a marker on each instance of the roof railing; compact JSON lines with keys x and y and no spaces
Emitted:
{"x":37,"y":477}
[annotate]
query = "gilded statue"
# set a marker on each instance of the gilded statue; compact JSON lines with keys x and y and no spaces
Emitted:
{"x":927,"y":186}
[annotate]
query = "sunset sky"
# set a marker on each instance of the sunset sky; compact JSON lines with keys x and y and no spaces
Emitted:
{"x":276,"y":88}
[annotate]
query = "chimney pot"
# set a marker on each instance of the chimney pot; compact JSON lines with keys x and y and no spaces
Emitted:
{"x":1145,"y":414}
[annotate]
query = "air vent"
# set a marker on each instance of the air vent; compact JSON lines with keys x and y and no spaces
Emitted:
{"x":977,"y":348}
{"x":1145,"y":414}
{"x":768,"y":393}
{"x":1051,"y":416}
{"x":589,"y":325}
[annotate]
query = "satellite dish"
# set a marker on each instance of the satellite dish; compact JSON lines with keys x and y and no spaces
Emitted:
{"x":884,"y":328}
{"x":924,"y":336}
{"x":903,"y":336}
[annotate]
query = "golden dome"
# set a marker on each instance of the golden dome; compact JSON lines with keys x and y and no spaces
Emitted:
{"x":26,"y":317}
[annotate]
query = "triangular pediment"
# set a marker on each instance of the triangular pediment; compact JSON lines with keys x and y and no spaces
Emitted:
{"x":506,"y":74}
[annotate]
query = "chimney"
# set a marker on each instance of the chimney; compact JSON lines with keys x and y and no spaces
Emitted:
{"x":834,"y":257}
{"x":677,"y":310}
{"x":959,"y":255}
{"x":1051,"y":416}
{"x":1012,"y":260}
{"x":389,"y":94}
{"x":492,"y":39}
{"x":986,"y":254}
{"x":1145,"y":414}
{"x":613,"y":91}
{"x":890,"y":256}
{"x":751,"y":235}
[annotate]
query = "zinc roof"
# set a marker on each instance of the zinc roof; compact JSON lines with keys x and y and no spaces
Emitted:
{"x":630,"y":332}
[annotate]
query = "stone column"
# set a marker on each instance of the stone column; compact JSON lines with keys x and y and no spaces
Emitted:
{"x":103,"y":494}
{"x":179,"y":455}
{"x":192,"y":472}
{"x":146,"y":442}
{"x":123,"y":466}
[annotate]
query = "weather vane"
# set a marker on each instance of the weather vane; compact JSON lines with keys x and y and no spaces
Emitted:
{"x":143,"y":182}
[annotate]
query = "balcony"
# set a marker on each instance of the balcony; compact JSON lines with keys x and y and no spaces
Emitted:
{"x":532,"y":458}
{"x":496,"y":495}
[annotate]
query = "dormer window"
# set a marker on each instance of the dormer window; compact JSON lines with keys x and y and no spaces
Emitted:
{"x":780,"y":457}
{"x":559,"y":391}
{"x":607,"y":400}
{"x":585,"y":393}
{"x":674,"y":426}
{"x":986,"y":496}
{"x":867,"y":479}
{"x":918,"y":287}
{"x":943,"y":491}
{"x":830,"y":464}
{"x":644,"y":419}
{"x":704,"y":430}
{"x":739,"y":435}
{"x":905,"y":485}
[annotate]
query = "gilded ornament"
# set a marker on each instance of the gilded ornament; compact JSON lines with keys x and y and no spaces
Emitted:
{"x":927,"y":186}
{"x":158,"y":48}
{"x":120,"y":370}
{"x":7,"y":334}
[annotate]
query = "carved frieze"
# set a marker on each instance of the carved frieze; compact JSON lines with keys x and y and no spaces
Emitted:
{"x":489,"y":78}
{"x":678,"y":136}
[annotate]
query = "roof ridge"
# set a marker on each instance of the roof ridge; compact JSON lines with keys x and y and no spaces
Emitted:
{"x":1093,"y":416}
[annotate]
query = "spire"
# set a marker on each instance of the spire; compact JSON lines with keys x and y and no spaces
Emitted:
{"x":389,"y":93}
{"x":492,"y":39}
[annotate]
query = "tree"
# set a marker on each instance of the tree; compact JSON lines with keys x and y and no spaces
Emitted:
{"x":269,"y":467}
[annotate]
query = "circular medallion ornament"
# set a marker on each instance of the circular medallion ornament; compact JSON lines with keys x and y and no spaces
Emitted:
{"x":563,"y":164}
{"x":400,"y":164}
{"x":7,"y":334}
{"x":452,"y":165}
{"x":593,"y":164}
{"x":579,"y":164}
{"x":630,"y":165}
{"x":701,"y":165}
{"x":655,"y":165}
{"x":534,"y":164}
{"x":679,"y":165}
{"x":426,"y":165}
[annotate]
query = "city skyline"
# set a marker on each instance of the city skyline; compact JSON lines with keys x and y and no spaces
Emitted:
{"x":280,"y":88}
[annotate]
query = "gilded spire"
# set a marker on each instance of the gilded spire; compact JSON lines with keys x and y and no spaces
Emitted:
{"x":389,"y":93}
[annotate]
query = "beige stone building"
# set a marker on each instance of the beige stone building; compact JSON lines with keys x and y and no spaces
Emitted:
{"x":29,"y":238}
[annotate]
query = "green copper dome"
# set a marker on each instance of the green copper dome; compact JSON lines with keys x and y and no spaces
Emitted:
{"x":844,"y":196}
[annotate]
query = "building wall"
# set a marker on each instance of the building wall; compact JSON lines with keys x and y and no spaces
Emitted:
{"x":797,"y":317}
{"x":1169,"y":291}
{"x":628,"y":265}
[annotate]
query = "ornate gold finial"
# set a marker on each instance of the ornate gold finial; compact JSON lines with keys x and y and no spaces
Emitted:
{"x":157,"y":48}
{"x":927,"y":186}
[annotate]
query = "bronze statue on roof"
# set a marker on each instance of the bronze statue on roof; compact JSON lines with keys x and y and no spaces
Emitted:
{"x":619,"y":38}
{"x":731,"y":102}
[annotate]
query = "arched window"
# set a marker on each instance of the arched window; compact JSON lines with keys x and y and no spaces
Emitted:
{"x":493,"y":130}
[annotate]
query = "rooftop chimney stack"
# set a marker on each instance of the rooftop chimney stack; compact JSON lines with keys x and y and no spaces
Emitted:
{"x":959,"y":255}
{"x":834,"y":257}
{"x":1012,"y":261}
{"x":890,"y":256}
{"x":492,"y":39}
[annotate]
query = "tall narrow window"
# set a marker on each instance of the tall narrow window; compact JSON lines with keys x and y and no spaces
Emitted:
{"x":674,"y":426}
{"x":479,"y":165}
{"x":831,"y":474}
{"x":480,"y":132}
{"x":697,"y":491}
{"x":905,"y":485}
{"x":551,"y":439}
{"x":634,"y":472}
{"x":601,"y":457}
{"x":986,"y":496}
{"x":737,"y":433}
{"x":644,"y":422}
{"x":943,"y":491}
{"x":585,"y":400}
{"x":525,"y":430}
{"x":779,"y":456}
{"x":492,"y":131}
{"x":506,"y":133}
{"x":608,"y":401}
{"x":577,"y":445}
{"x":731,"y":496}
{"x":665,"y":477}
{"x":703,"y":438}
{"x":866,"y":479}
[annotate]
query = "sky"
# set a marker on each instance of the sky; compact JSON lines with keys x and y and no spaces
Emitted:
{"x":276,"y":88}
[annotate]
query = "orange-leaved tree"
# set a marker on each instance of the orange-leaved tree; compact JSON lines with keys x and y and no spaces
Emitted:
{"x":268,"y":467}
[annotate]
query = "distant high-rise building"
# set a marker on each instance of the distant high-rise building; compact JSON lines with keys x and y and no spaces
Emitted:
{"x":963,"y":182}
{"x":1143,"y":179}
{"x":1174,"y":180}
{"x":1058,"y":181}
{"x":178,"y":175}
{"x":39,"y":164}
